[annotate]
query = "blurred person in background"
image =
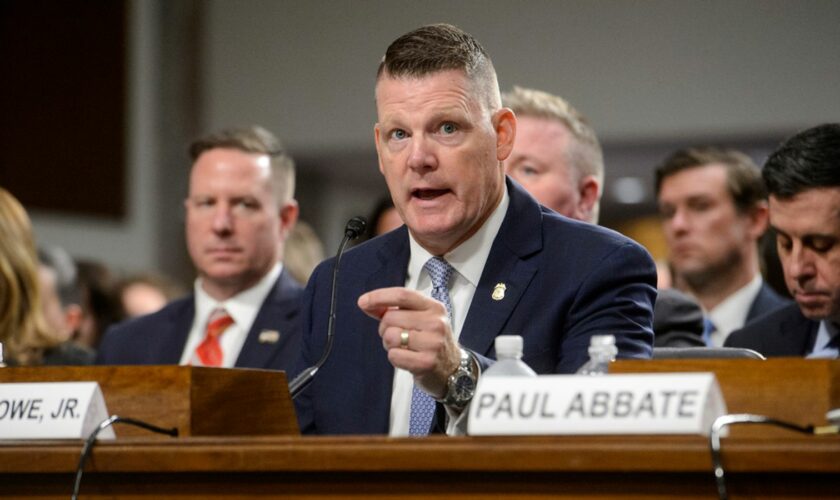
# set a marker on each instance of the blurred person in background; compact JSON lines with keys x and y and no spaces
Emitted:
{"x":556,"y":155}
{"x":713,"y":206}
{"x":25,"y":333}
{"x":558,"y":159}
{"x":303,"y":252}
{"x":245,"y":308}
{"x":100,"y":307}
{"x":145,"y":293}
{"x":61,"y":295}
{"x":383,"y":218}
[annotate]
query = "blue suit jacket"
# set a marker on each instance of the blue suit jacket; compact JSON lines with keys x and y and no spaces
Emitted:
{"x":565,"y":281}
{"x":784,"y":332}
{"x":159,"y":338}
{"x":765,"y":302}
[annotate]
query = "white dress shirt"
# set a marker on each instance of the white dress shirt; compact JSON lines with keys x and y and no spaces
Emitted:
{"x":825,"y":334}
{"x":731,"y":314}
{"x":468,"y":260}
{"x":242,"y":307}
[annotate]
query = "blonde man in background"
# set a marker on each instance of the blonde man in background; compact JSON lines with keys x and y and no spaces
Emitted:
{"x":556,"y":155}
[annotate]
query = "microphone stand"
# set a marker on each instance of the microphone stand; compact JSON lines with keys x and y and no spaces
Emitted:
{"x":352,"y":230}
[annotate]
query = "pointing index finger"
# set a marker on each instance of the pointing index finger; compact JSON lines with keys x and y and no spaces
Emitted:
{"x":376,"y":302}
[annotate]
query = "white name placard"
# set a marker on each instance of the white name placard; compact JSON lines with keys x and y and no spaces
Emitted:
{"x":655,"y":403}
{"x":52,"y":410}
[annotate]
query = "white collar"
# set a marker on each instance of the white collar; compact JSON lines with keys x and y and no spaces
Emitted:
{"x":731,"y":314}
{"x":242,"y":307}
{"x":469,"y":257}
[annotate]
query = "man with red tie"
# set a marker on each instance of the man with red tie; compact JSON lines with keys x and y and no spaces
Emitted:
{"x":245,"y":306}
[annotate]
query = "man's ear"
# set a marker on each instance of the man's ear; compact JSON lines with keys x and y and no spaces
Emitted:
{"x":288,"y":217}
{"x":759,"y":219}
{"x":589,"y":190}
{"x":504,"y":122}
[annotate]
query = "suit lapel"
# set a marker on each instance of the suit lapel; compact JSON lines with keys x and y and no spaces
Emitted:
{"x":279,"y":309}
{"x":175,"y":331}
{"x":393,"y":267}
{"x":392,"y":262}
{"x":519,"y":237}
{"x":765,"y":301}
{"x":790,"y":332}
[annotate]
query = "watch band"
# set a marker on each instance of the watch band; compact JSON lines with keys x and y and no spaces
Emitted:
{"x":460,"y":386}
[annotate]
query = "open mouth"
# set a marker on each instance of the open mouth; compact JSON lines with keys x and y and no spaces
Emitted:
{"x":428,"y":194}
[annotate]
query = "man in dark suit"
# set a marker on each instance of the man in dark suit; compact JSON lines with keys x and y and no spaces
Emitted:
{"x":245,"y":308}
{"x":714,"y":210}
{"x":419,"y":308}
{"x":803,"y":179}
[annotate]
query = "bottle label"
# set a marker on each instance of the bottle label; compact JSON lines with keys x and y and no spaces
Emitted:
{"x":655,"y":403}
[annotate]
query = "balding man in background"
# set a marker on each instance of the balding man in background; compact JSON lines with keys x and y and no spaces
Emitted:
{"x":245,"y":308}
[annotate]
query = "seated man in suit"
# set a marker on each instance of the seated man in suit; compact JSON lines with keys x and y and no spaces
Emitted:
{"x":803,"y":178}
{"x":714,"y":210}
{"x":556,"y":155}
{"x":558,"y":159}
{"x":245,"y":308}
{"x":419,"y":307}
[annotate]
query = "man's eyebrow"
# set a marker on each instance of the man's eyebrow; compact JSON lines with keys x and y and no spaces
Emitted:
{"x":448,"y":113}
{"x":778,"y":231}
{"x":699,"y":196}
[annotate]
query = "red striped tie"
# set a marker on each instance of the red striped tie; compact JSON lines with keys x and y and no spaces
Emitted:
{"x":209,"y":352}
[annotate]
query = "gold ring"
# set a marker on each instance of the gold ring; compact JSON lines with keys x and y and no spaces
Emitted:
{"x":404,"y":339}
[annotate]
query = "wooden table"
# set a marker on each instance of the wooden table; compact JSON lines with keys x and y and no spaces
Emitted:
{"x":359,"y":467}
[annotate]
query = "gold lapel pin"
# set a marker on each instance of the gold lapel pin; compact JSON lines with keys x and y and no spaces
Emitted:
{"x":499,"y":291}
{"x":269,"y":337}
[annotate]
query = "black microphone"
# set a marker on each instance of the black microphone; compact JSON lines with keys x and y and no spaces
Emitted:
{"x":352,"y":230}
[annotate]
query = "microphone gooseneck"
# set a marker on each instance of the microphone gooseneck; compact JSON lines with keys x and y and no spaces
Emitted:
{"x":352,"y":230}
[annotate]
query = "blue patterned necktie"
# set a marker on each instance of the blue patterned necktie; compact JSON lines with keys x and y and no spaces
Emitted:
{"x":422,"y":405}
{"x":708,"y":329}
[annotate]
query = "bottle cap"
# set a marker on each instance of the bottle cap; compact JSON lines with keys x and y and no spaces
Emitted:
{"x":601,"y":340}
{"x":509,"y":345}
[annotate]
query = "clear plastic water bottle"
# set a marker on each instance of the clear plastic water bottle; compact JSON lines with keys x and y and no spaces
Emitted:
{"x":509,"y":359}
{"x":602,"y":351}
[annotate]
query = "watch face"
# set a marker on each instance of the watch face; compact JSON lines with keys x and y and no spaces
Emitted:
{"x":463,"y":387}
